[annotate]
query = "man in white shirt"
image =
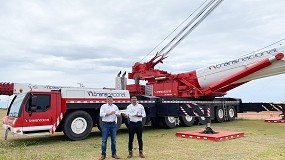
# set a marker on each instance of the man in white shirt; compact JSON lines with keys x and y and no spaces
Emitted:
{"x":135,"y":112}
{"x":109,"y":113}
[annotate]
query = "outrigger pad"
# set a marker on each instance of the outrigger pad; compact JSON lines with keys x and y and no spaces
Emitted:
{"x":217,"y":136}
{"x":272,"y":120}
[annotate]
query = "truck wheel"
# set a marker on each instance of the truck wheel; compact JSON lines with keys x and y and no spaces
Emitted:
{"x":219,"y":114}
{"x":77,"y":125}
{"x":187,"y":121}
{"x":201,"y":120}
{"x":119,"y":123}
{"x":170,"y":122}
{"x":231,"y":113}
{"x":157,"y":122}
{"x":127,"y":121}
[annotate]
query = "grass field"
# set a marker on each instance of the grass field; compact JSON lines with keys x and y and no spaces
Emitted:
{"x":262,"y":141}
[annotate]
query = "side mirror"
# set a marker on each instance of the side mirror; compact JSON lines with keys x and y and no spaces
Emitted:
{"x":33,"y":108}
{"x":33,"y":100}
{"x":33,"y":104}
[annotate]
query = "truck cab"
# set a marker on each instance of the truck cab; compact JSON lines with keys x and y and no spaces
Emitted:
{"x":33,"y":112}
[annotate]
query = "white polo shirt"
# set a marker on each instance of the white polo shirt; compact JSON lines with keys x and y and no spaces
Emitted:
{"x":135,"y":109}
{"x":105,"y":109}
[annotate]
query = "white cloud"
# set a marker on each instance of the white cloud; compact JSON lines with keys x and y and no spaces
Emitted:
{"x":66,"y":42}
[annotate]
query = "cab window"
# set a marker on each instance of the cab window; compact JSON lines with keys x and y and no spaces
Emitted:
{"x":42,"y":103}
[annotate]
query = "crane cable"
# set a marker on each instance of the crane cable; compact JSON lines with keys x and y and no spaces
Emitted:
{"x":174,"y":30}
{"x":267,"y":46}
{"x":193,"y":27}
{"x":195,"y":18}
{"x":252,"y":52}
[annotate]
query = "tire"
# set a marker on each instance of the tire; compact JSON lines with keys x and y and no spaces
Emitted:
{"x":169,"y":122}
{"x":231,"y":113}
{"x":219,"y":114}
{"x":77,"y":125}
{"x":157,"y":122}
{"x":127,"y":121}
{"x":143,"y":121}
{"x":187,"y":121}
{"x":201,"y":120}
{"x":119,"y":123}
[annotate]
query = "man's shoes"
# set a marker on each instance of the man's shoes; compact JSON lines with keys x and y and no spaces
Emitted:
{"x":141,"y":154}
{"x":102,"y":157}
{"x":130,"y":154}
{"x":115,"y":156}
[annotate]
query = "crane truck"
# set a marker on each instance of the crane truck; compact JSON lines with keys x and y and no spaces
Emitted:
{"x":169,"y":99}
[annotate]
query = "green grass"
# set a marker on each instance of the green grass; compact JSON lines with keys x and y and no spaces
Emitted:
{"x":262,"y":141}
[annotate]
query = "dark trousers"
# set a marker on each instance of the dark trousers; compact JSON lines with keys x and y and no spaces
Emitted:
{"x":135,"y":127}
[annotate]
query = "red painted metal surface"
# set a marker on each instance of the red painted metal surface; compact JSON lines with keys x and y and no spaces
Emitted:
{"x":218,"y":136}
{"x":6,"y":88}
{"x":186,"y":84}
{"x":164,"y":84}
{"x":271,"y":120}
{"x":256,"y":67}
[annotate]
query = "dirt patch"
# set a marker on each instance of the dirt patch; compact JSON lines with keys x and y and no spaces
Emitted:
{"x":260,"y":115}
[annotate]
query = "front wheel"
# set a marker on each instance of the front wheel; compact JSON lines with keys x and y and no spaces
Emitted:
{"x":77,"y":125}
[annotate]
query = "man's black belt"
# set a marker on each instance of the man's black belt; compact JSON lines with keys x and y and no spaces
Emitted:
{"x":109,"y":122}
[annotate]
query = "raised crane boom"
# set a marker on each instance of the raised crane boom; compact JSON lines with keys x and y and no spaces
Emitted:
{"x":209,"y":82}
{"x":212,"y":81}
{"x":17,"y":88}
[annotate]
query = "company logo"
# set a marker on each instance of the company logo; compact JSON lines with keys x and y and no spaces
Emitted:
{"x":37,"y":120}
{"x":104,"y":94}
{"x":53,"y":87}
{"x":163,"y":92}
{"x":243,"y":59}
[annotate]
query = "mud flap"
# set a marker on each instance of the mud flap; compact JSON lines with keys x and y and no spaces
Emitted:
{"x":6,"y":134}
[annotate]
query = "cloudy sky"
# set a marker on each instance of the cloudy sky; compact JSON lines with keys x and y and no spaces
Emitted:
{"x":89,"y":41}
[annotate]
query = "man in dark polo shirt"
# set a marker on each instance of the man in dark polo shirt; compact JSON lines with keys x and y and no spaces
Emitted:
{"x":135,"y":113}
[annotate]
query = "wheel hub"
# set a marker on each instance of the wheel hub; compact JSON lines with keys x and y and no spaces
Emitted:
{"x":78,"y":125}
{"x":171,"y":119}
{"x":220,"y":113}
{"x":231,"y":113}
{"x":188,"y":118}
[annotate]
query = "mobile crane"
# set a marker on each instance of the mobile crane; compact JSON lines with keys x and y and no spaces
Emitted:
{"x":169,"y":99}
{"x":201,"y":86}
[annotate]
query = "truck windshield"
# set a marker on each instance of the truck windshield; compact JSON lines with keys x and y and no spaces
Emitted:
{"x":15,"y":106}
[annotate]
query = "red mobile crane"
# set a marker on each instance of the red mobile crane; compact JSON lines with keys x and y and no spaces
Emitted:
{"x":200,"y":83}
{"x":169,"y":99}
{"x":201,"y":86}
